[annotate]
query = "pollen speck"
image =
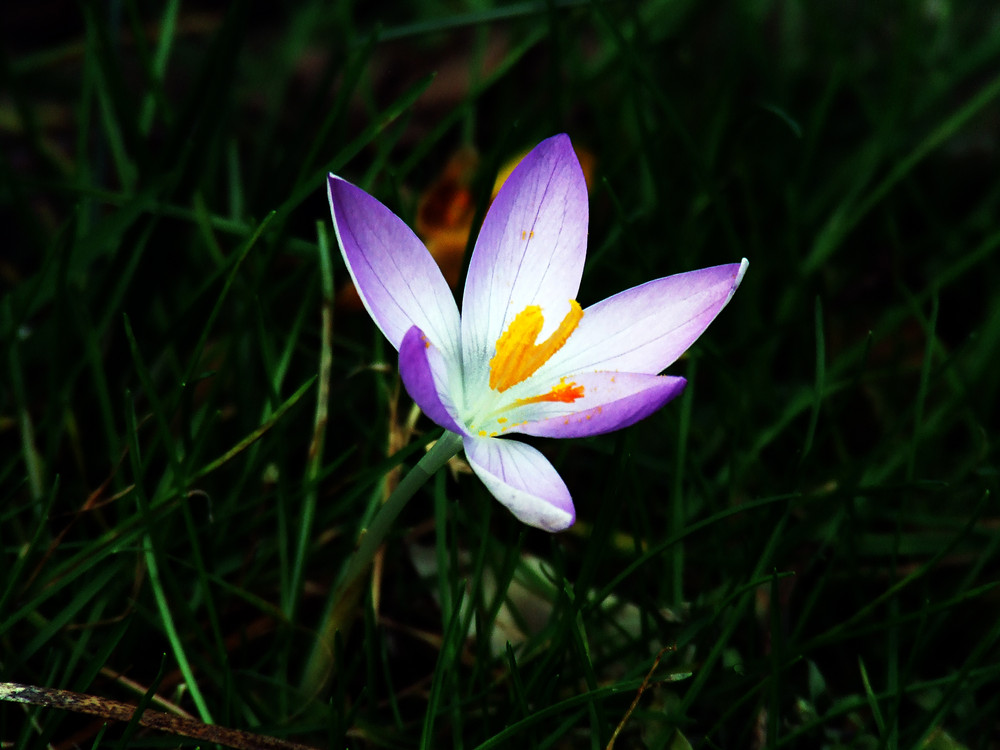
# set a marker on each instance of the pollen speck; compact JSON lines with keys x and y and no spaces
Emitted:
{"x":482,"y":433}
{"x":501,"y":420}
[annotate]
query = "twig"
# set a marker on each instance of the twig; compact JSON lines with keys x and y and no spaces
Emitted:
{"x":115,"y":710}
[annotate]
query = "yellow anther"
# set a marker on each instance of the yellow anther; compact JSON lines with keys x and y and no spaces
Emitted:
{"x":518,"y":357}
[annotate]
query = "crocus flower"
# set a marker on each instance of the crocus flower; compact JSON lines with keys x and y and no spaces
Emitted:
{"x":524,"y":356}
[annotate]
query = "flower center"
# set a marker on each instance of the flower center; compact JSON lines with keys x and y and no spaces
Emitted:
{"x":518,"y":357}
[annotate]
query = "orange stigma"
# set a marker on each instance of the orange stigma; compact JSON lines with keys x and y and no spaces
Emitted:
{"x":518,"y":357}
{"x":564,"y":392}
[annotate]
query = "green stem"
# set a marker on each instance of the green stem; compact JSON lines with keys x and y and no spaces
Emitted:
{"x":341,"y":606}
{"x":447,"y":446}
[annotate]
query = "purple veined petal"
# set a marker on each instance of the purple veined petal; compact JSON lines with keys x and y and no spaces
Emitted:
{"x":609,"y":401}
{"x":646,"y":328}
{"x":425,"y":373}
{"x":523,"y":480}
{"x":397,"y":279}
{"x":530,"y":251}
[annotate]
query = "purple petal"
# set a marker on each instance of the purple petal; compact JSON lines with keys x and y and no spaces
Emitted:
{"x":522,"y":479}
{"x":530,"y":250}
{"x":397,"y":279}
{"x":611,"y":401}
{"x":646,"y":328}
{"x":424,"y":372}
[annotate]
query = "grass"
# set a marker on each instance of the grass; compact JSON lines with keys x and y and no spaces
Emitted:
{"x":196,"y":423}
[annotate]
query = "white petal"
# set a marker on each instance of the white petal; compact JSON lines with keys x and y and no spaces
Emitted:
{"x":530,"y":251}
{"x":523,"y":480}
{"x":646,"y":328}
{"x":397,"y":279}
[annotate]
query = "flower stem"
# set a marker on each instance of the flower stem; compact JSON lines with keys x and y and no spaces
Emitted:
{"x":342,"y":604}
{"x":446,"y":447}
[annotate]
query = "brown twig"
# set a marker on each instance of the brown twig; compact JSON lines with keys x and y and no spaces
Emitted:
{"x":638,"y":695}
{"x":115,"y":710}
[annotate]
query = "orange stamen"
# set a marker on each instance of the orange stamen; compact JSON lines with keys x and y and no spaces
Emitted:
{"x":518,"y":356}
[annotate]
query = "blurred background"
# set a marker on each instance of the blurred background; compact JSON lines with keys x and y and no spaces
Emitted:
{"x":197,"y":418}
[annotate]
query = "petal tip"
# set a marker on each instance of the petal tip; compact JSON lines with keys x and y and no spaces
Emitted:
{"x":744,"y":265}
{"x":561,"y":139}
{"x":559,"y":148}
{"x":561,"y":524}
{"x":740,"y":272}
{"x":552,"y":520}
{"x":334,"y":185}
